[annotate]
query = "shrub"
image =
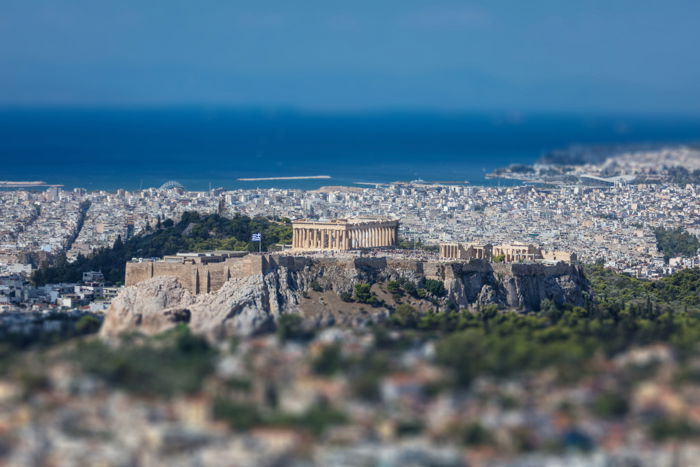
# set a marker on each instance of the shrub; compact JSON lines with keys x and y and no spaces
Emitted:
{"x":668,"y":428}
{"x":476,"y":435}
{"x":238,"y":416}
{"x":346,"y":296}
{"x":364,"y":294}
{"x":405,"y":316}
{"x":610,"y":405}
{"x":329,"y":362}
{"x":435,"y":287}
{"x":291,"y":327}
{"x":393,"y":287}
{"x":174,"y":362}
{"x":87,"y":325}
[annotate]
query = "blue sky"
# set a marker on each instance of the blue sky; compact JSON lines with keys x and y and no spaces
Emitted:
{"x":589,"y":56}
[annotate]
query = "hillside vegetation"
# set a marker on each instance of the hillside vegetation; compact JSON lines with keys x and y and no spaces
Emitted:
{"x":680,"y":291}
{"x":193,"y":232}
{"x":676,"y":242}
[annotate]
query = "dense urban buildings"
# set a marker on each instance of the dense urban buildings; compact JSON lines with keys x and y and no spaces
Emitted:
{"x":612,"y":224}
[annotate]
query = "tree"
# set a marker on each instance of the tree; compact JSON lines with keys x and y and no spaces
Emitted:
{"x":194,"y":232}
{"x":364,"y":294}
{"x":435,"y":287}
{"x":676,"y":242}
{"x":291,"y":327}
{"x":405,"y":316}
{"x":329,"y":362}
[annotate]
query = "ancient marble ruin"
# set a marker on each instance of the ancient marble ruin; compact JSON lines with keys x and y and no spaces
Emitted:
{"x":344,"y":234}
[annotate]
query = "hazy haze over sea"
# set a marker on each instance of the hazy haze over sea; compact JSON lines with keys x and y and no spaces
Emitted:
{"x":110,"y":149}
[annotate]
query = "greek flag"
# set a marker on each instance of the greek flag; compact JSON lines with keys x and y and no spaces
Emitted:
{"x":256,"y":237}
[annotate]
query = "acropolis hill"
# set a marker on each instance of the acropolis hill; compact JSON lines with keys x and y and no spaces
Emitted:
{"x":223,"y":295}
{"x":348,"y":241}
{"x":244,"y":292}
{"x":202,"y":273}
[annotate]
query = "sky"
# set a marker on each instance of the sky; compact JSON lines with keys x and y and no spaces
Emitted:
{"x":624,"y":56}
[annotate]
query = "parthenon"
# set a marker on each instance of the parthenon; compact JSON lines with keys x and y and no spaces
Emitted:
{"x":344,"y":234}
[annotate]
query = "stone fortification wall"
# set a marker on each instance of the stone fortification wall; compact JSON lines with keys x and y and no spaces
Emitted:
{"x":197,"y":278}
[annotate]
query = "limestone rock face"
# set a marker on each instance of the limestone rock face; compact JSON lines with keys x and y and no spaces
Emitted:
{"x":518,"y":286}
{"x":241,"y":307}
{"x":151,"y":307}
{"x":251,"y":305}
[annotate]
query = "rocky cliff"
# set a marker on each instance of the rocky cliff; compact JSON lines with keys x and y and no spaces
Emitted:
{"x":251,"y":305}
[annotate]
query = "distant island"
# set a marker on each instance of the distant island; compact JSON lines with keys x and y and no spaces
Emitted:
{"x":261,"y":179}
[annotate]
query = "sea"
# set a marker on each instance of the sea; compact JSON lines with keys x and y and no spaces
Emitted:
{"x":208,"y":147}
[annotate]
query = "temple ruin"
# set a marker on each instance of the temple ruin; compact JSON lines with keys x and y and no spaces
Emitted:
{"x":509,"y":253}
{"x":344,"y":234}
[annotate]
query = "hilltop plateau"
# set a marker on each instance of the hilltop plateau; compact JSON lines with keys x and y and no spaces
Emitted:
{"x":346,"y":291}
